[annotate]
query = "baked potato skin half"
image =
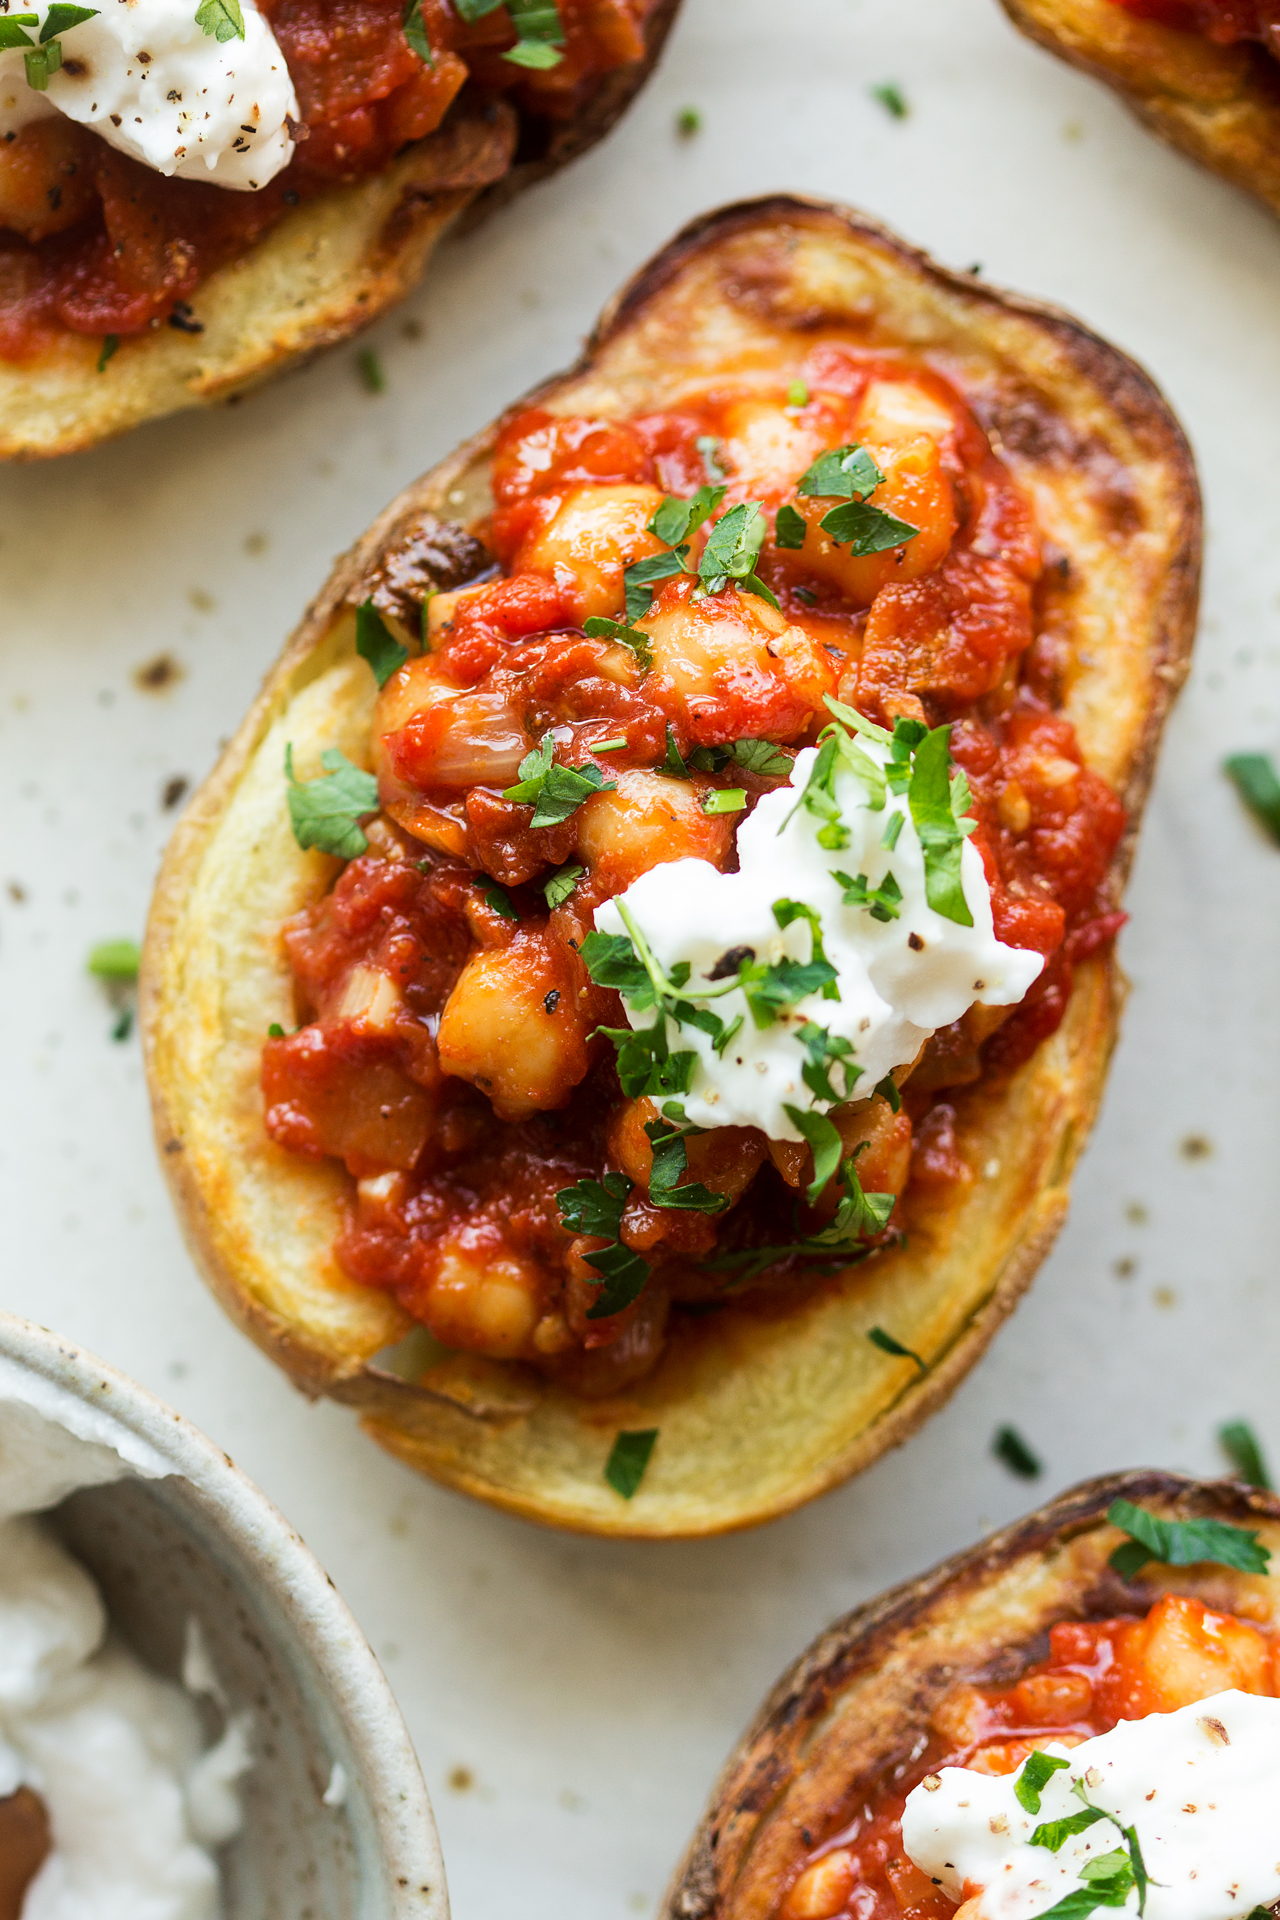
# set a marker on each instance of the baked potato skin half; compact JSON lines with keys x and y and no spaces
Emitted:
{"x":854,"y":1703}
{"x":320,"y":275}
{"x":757,"y":1411}
{"x":1220,"y":105}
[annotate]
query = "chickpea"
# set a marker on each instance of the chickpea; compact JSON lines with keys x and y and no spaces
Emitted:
{"x":732,"y":652}
{"x":597,"y":533}
{"x":822,"y":1889}
{"x":513,"y":1025}
{"x":1182,"y":1652}
{"x":650,"y":819}
{"x":46,"y":178}
{"x":916,"y":490}
{"x":483,"y":1298}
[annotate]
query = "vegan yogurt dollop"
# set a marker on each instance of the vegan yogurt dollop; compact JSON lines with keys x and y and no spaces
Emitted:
{"x":158,"y":84}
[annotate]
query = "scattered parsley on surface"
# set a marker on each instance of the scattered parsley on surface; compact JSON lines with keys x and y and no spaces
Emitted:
{"x":1012,"y":1451}
{"x":1240,"y":1444}
{"x":1254,"y":778}
{"x":887,"y":1344}
{"x":892,"y":99}
{"x":629,"y":1459}
{"x":1181,"y":1543}
{"x":115,"y":960}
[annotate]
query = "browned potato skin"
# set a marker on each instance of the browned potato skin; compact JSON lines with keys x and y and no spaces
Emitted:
{"x":1218,"y":105}
{"x":738,"y":1445}
{"x":856,"y":1700}
{"x":326,"y":271}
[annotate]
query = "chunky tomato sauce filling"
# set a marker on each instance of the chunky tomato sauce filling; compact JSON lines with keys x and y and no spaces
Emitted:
{"x":450,"y":1052}
{"x":95,"y":242}
{"x":1224,"y":21}
{"x":1097,"y":1673}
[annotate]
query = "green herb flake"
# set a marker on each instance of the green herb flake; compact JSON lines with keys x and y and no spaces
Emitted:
{"x":724,"y":800}
{"x":732,"y":550}
{"x":40,"y":62}
{"x":889,"y":1090}
{"x":221,"y":18}
{"x":13,"y":29}
{"x":123,"y":1024}
{"x":1012,"y":1451}
{"x":842,"y":473}
{"x":677,"y":518}
{"x":414,"y":28}
{"x":325,"y":812}
{"x":642,"y":576}
{"x":598,"y":628}
{"x":110,"y":347}
{"x":561,"y":884}
{"x":670,"y":1163}
{"x":496,"y":898}
{"x":763,"y":758}
{"x":673,"y":764}
{"x":887,"y":1344}
{"x":540,"y":34}
{"x":789,"y":529}
{"x":938,"y":802}
{"x":370,"y":366}
{"x":629,"y":1459}
{"x":823,"y":1138}
{"x":797,"y":394}
{"x":688,"y":122}
{"x":376,"y":643}
{"x":1035,"y":1776}
{"x":1240,"y":1444}
{"x":883,"y":902}
{"x":1054,"y":1834}
{"x":827,"y":1053}
{"x":709,"y":448}
{"x":554,"y":791}
{"x":892,"y":828}
{"x":1182,"y":1543}
{"x":892,"y":99}
{"x":840,"y":1243}
{"x":275,"y":1031}
{"x":865,"y":529}
{"x":115,"y":960}
{"x":594,"y":1208}
{"x":1254,"y":778}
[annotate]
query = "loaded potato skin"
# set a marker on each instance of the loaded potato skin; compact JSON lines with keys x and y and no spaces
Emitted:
{"x":1203,"y":74}
{"x":328,"y":1297}
{"x":1031,"y":1640}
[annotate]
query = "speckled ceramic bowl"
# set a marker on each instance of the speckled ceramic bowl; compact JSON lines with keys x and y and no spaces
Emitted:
{"x":202,"y":1541}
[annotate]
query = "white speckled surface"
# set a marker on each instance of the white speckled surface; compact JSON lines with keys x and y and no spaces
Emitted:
{"x":590,"y":1691}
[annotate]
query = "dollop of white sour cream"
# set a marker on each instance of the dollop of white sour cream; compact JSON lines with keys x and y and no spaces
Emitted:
{"x":899,"y":979}
{"x":152,"y":82}
{"x":135,"y":1798}
{"x":1200,"y":1788}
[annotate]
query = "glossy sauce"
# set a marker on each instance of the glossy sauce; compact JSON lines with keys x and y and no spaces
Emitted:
{"x":1097,"y":1674}
{"x":95,"y":242}
{"x":448,"y":1052}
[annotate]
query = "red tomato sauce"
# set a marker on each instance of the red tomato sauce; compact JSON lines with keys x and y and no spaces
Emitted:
{"x":105,"y":245}
{"x":1097,"y":1673}
{"x":458,"y":1173}
{"x":1223,"y":21}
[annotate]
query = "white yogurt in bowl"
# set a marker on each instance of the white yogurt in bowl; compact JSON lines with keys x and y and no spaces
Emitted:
{"x":184,"y":1700}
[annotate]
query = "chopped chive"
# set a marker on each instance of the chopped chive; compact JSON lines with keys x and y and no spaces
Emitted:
{"x":892,"y":99}
{"x":628,"y":1460}
{"x":1255,"y":781}
{"x":110,"y":344}
{"x":115,"y":960}
{"x":371,"y":373}
{"x":724,"y":800}
{"x":887,"y":1344}
{"x":1012,"y":1451}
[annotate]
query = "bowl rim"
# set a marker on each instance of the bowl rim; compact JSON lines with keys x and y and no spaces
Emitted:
{"x":282,"y":1564}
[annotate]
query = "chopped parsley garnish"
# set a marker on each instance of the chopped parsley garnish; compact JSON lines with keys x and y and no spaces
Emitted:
{"x":891,"y":98}
{"x":732,"y":549}
{"x":673,"y":764}
{"x":824,"y":1141}
{"x":1054,"y":1834}
{"x":840,"y":1243}
{"x":561,"y":884}
{"x":376,"y":643}
{"x":1255,"y":781}
{"x":688,"y":122}
{"x":553,"y":791}
{"x":670,"y":1161}
{"x":1011,"y":1449}
{"x":414,"y":28}
{"x":888,"y":1090}
{"x":646,"y":1064}
{"x":642,"y":576}
{"x":724,"y":800}
{"x":610,"y":746}
{"x":850,"y":475}
{"x":1182,"y":1543}
{"x":496,"y":898}
{"x":1035,"y":1777}
{"x":44,"y":55}
{"x":887,"y":1344}
{"x":540,"y":34}
{"x":882,"y":902}
{"x":1240,"y":1444}
{"x":789,"y":529}
{"x":676,"y":518}
{"x":110,"y":347}
{"x":785,"y":912}
{"x":115,"y":960}
{"x":709,"y":448}
{"x":797,"y":394}
{"x":629,"y":1459}
{"x":275,"y":1031}
{"x":375,"y":380}
{"x":892,"y":828}
{"x":763,"y":758}
{"x":598,"y":628}
{"x":221,"y":18}
{"x":827,"y":1053}
{"x":325,"y":812}
{"x":595,"y":1208}
{"x":939,"y":798}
